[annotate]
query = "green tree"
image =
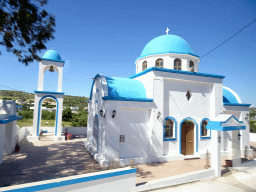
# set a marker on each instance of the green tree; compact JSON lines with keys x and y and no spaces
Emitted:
{"x":80,"y":119}
{"x":252,"y":127}
{"x":66,"y":114}
{"x":27,"y":26}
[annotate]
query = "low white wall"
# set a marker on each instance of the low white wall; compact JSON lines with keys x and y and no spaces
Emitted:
{"x":175,"y":180}
{"x":123,"y":179}
{"x":253,"y":137}
{"x":25,"y":131}
{"x":75,"y":130}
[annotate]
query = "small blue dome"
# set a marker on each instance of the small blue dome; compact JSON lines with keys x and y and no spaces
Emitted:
{"x":167,"y":44}
{"x":52,"y":55}
{"x":229,"y":97}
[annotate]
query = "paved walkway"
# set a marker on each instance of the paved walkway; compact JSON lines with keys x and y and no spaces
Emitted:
{"x":239,"y":180}
{"x":43,"y":160}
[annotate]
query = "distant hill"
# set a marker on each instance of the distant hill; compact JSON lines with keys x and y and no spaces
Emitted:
{"x":68,"y":101}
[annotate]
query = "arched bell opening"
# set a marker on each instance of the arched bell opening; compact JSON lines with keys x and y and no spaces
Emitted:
{"x":42,"y":127}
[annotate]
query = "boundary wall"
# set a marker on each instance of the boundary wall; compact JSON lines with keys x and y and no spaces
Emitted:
{"x":123,"y":179}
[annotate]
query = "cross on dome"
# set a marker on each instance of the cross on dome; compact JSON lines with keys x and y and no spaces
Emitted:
{"x":167,"y":30}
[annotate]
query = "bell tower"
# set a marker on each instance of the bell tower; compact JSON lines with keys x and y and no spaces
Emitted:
{"x":51,"y":61}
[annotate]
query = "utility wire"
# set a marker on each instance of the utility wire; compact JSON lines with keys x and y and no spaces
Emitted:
{"x":229,"y":38}
{"x":11,"y":88}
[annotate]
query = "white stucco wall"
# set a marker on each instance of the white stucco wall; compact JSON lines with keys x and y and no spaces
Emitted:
{"x":43,"y":67}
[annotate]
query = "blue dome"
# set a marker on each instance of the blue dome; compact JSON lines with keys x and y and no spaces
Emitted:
{"x":167,"y":44}
{"x":52,"y":55}
{"x":229,"y":97}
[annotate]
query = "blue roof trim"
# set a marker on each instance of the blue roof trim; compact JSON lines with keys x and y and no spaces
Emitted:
{"x":168,"y":52}
{"x":53,"y":60}
{"x":125,"y":88}
{"x":10,"y":119}
{"x":49,"y":92}
{"x":237,"y":104}
{"x":216,"y":125}
{"x":176,"y":71}
{"x":96,"y":76}
{"x":228,"y":97}
{"x":128,"y":99}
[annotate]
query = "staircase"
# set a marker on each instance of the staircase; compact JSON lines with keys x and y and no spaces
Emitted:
{"x":47,"y":137}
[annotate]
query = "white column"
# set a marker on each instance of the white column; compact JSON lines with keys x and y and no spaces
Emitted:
{"x":236,"y":157}
{"x":41,"y":77}
{"x":2,"y":142}
{"x":215,"y":153}
{"x":58,"y":137}
{"x":60,"y":76}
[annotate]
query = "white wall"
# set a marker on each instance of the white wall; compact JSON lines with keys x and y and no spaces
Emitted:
{"x":253,"y":137}
{"x":115,"y":180}
{"x":75,"y":130}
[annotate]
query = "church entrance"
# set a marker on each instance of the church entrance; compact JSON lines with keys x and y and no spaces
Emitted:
{"x":187,"y":138}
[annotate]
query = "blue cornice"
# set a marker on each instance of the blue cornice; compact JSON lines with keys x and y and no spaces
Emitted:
{"x":160,"y":53}
{"x":176,"y":71}
{"x":49,"y":92}
{"x":60,"y":61}
{"x":127,"y":99}
{"x":237,"y":104}
{"x":10,"y":119}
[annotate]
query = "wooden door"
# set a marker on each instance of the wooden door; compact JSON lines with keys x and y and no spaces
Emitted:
{"x":187,"y":139}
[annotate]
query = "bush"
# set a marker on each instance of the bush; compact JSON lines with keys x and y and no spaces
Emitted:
{"x":66,"y":114}
{"x":27,"y":114}
{"x":47,"y":115}
{"x":252,"y":127}
{"x":79,"y":120}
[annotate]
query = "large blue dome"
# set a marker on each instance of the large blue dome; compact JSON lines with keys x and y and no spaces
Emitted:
{"x":52,"y":55}
{"x":167,"y":44}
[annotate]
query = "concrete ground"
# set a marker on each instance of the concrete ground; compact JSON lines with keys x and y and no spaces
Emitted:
{"x":43,"y":160}
{"x":238,"y":180}
{"x":235,"y":179}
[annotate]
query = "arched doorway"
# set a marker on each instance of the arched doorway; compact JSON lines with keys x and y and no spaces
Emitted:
{"x":40,"y":115}
{"x":95,"y":139}
{"x":187,"y":137}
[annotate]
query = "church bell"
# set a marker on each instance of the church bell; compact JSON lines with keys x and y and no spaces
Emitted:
{"x":51,"y":69}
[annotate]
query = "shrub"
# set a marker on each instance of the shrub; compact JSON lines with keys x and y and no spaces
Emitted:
{"x":26,"y":114}
{"x":66,"y":114}
{"x":252,"y":127}
{"x":79,"y":120}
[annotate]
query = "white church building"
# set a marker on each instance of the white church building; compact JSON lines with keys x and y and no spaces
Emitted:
{"x":167,"y":111}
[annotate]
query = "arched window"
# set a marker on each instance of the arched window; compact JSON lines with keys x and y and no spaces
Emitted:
{"x":203,"y":128}
{"x":177,"y":64}
{"x":168,"y":129}
{"x":191,"y":64}
{"x":144,"y":65}
{"x":159,"y":63}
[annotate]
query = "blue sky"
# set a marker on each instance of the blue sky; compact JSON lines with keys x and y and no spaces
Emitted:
{"x":105,"y":37}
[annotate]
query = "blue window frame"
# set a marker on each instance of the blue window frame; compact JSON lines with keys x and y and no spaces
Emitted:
{"x":204,"y":133}
{"x":97,"y":96}
{"x":170,"y":129}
